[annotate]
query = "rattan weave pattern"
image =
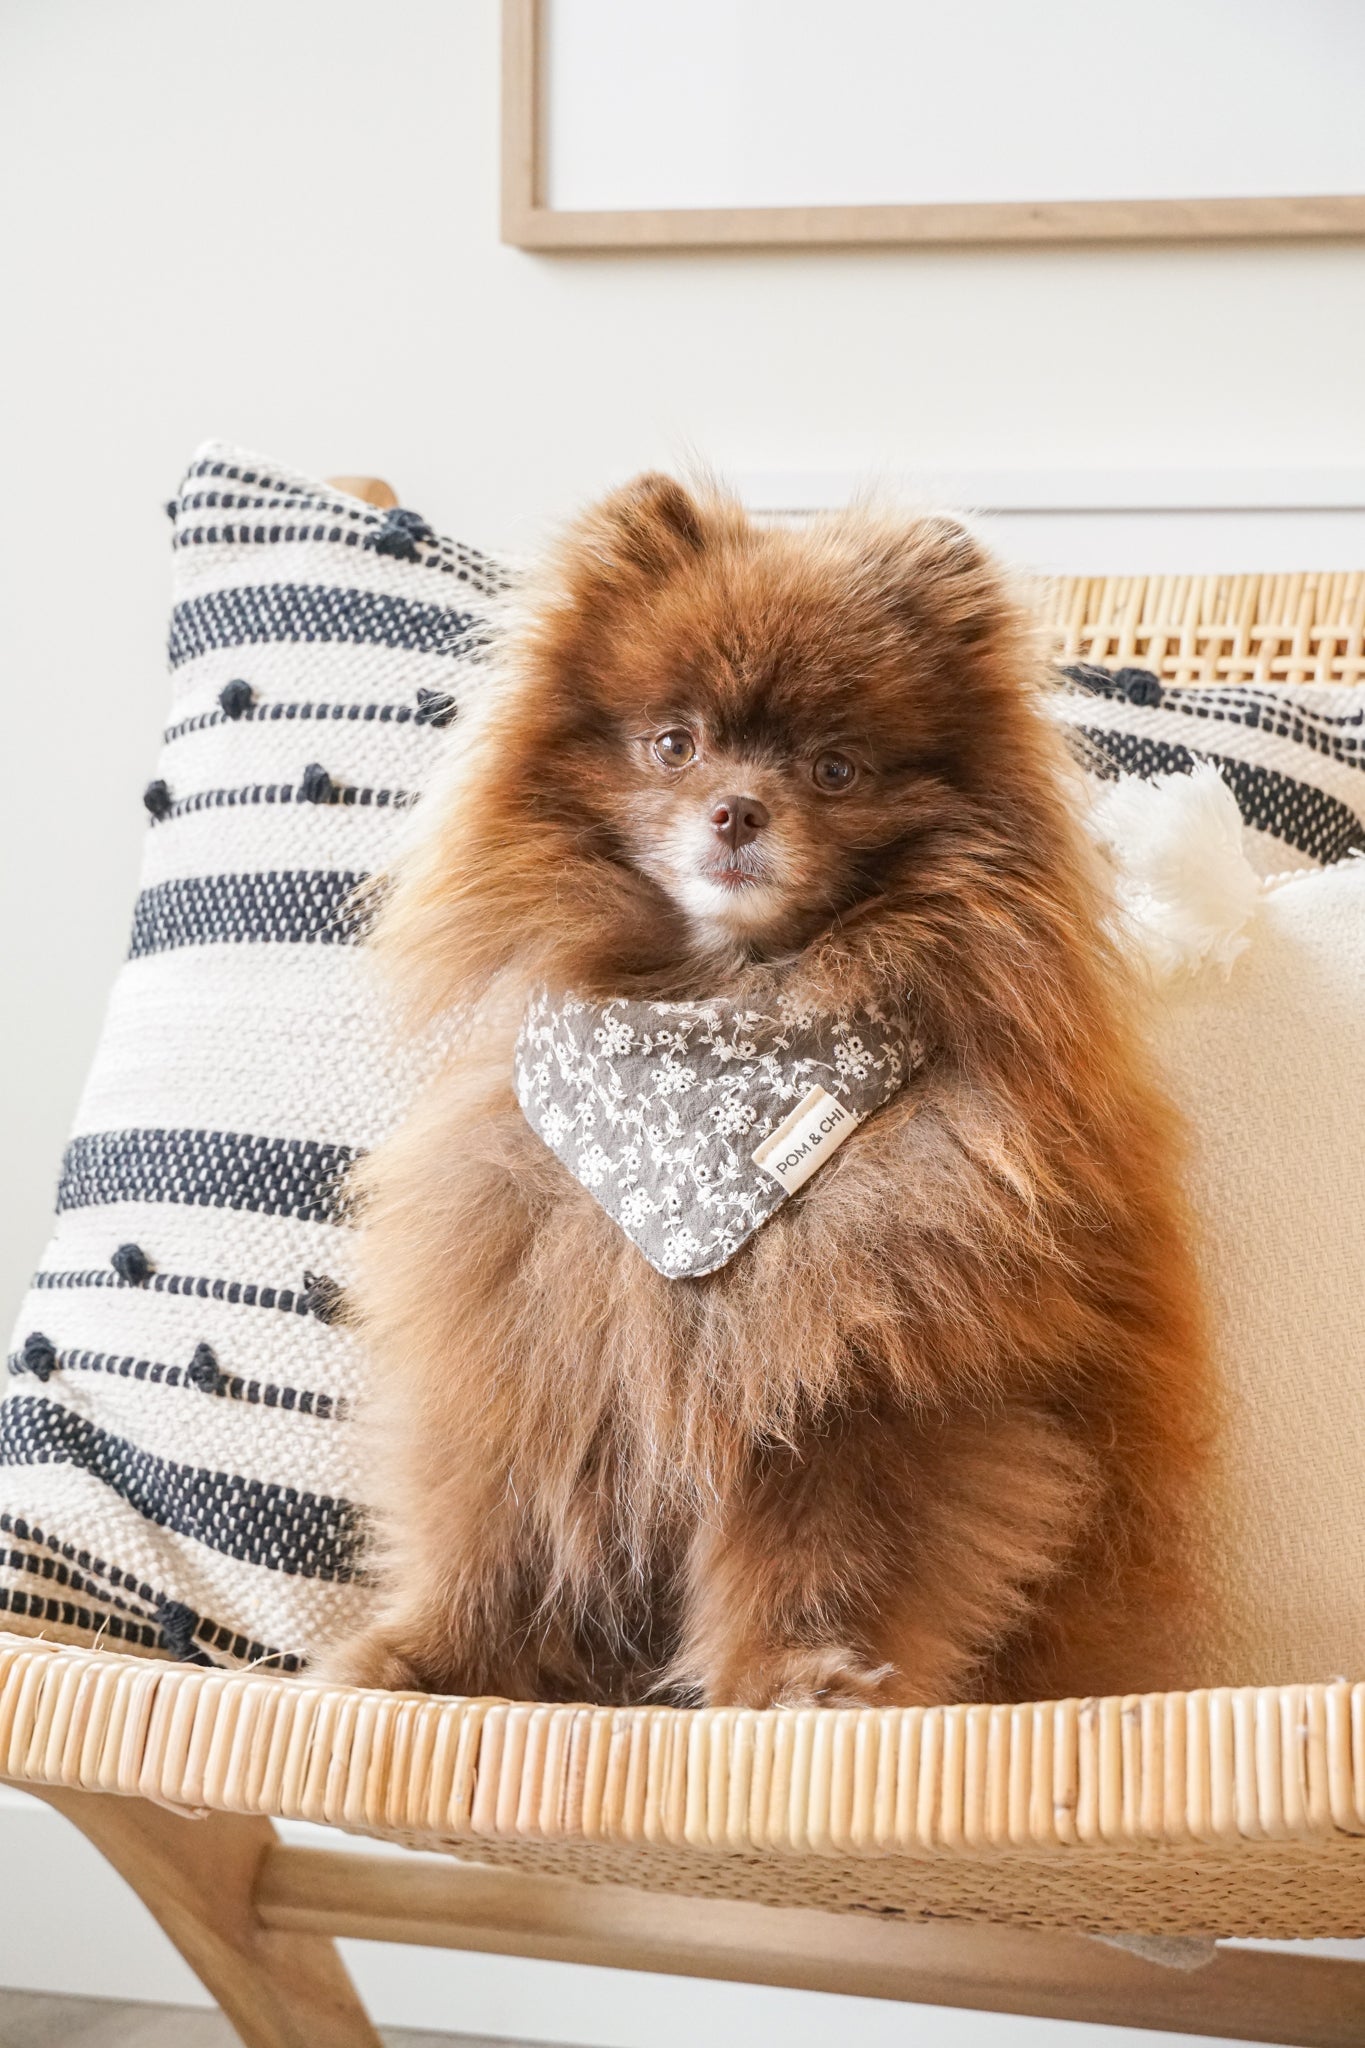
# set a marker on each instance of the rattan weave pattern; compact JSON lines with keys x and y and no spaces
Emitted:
{"x":1242,"y":1811}
{"x":1274,"y":1892}
{"x":1306,"y":628}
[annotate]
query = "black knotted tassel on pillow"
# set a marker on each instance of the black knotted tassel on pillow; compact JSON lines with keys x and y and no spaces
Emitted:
{"x":435,"y":707}
{"x":1135,"y":685}
{"x":324,"y":1297}
{"x":1139,"y":685}
{"x":237,"y":697}
{"x":202,"y":1370}
{"x":39,"y":1355}
{"x":400,"y":533}
{"x":177,"y":1626}
{"x":132,"y":1264}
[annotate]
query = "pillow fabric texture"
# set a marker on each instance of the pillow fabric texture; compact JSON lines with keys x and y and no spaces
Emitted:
{"x":1293,"y":754}
{"x":181,"y":1465}
{"x":1257,"y":1025}
{"x":1267,"y":1063}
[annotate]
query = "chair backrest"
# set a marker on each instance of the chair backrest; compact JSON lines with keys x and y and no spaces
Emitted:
{"x":1304,"y":628}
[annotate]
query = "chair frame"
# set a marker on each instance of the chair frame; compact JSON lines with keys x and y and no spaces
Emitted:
{"x":255,"y":1919}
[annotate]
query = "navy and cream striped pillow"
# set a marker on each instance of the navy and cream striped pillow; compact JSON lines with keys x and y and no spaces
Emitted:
{"x":181,"y":1466}
{"x":1293,"y":754}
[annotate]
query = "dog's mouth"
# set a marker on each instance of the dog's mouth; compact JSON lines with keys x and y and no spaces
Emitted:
{"x":723,"y":888}
{"x":736,"y":871}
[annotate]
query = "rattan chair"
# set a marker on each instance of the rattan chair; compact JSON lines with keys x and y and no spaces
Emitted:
{"x":953,"y":1855}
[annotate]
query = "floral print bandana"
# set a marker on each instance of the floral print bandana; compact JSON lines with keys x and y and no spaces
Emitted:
{"x":691,"y":1123}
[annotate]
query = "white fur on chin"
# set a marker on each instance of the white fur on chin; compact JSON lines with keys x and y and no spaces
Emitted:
{"x":753,"y":906}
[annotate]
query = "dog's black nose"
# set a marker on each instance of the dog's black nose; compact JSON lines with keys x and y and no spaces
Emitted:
{"x":738,"y":819}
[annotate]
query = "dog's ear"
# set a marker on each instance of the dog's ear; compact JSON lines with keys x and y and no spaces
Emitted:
{"x":941,"y":578}
{"x":650,"y":524}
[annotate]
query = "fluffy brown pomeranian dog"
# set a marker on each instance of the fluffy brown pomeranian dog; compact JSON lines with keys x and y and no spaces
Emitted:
{"x":925,"y":1437}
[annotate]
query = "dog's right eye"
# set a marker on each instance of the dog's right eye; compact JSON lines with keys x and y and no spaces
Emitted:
{"x":675,"y":748}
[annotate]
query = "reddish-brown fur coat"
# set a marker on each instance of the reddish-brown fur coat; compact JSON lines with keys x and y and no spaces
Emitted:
{"x":927,"y":1436}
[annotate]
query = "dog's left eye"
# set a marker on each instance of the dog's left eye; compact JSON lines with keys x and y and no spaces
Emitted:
{"x":675,"y":748}
{"x":833,"y":773}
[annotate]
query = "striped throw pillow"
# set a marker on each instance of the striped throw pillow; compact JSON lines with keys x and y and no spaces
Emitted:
{"x":1293,"y":754}
{"x":181,"y":1467}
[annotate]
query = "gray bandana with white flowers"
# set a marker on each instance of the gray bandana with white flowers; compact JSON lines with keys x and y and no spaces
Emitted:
{"x":660,"y":1109}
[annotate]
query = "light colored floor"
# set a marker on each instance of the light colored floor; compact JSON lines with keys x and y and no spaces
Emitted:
{"x":30,"y":2020}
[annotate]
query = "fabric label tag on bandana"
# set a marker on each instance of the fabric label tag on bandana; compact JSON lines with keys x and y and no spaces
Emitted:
{"x":816,"y":1128}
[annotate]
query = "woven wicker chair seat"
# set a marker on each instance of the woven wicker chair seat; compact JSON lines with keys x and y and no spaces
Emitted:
{"x":1240,"y":1811}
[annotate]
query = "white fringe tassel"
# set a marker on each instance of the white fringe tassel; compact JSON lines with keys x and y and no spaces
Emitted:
{"x":1185,"y":889}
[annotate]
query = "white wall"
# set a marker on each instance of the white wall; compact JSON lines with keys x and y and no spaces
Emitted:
{"x":275,"y":220}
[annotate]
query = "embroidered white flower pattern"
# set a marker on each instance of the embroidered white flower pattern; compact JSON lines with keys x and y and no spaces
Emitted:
{"x":680,"y":1250}
{"x":657,"y":1108}
{"x":733,"y":1116}
{"x":635,"y":1207}
{"x":674,"y":1078}
{"x":851,"y":1057}
{"x":615,"y":1036}
{"x":592,"y":1166}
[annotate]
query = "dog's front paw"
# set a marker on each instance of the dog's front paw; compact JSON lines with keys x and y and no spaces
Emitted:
{"x":375,"y":1661}
{"x":831,"y":1676}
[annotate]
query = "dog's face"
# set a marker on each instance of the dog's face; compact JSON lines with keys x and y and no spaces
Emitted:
{"x":757,"y":723}
{"x":756,"y":792}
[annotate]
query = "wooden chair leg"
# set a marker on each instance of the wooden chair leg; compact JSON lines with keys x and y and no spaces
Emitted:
{"x":198,"y":1878}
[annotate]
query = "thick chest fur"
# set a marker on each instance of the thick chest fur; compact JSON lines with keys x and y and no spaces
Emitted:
{"x":966,"y":1342}
{"x":655,"y":1388}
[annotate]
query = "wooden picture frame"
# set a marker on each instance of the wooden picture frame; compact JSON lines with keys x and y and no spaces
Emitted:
{"x":528,"y":222}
